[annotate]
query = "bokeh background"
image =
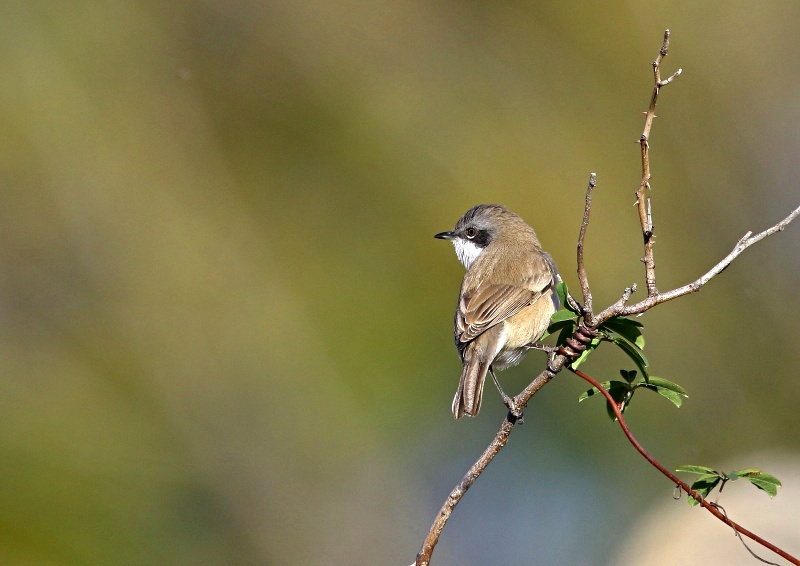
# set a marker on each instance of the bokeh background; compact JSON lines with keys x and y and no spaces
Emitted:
{"x":225,"y":327}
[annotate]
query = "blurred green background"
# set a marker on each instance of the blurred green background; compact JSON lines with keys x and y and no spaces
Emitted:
{"x":226,"y":327}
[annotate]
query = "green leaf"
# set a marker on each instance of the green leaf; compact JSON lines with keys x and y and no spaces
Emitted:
{"x":585,"y":354}
{"x":630,"y":329}
{"x":620,"y":391}
{"x":662,"y":383}
{"x":666,"y":389}
{"x":593,"y":391}
{"x":567,"y":326}
{"x":765,"y":482}
{"x":633,"y":352}
{"x":564,"y":334}
{"x":747,"y":472}
{"x":671,"y":395}
{"x":703,"y":486}
{"x":708,"y":480}
{"x":624,"y":321}
{"x":695,"y":469}
{"x":562,"y":320}
{"x":563,"y":315}
{"x":628,"y":375}
{"x":563,"y":292}
{"x":770,"y":487}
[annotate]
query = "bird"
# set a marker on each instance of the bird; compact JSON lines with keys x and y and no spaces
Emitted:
{"x":507,"y":298}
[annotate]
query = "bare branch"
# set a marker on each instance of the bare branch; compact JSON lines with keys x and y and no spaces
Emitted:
{"x":670,"y":78}
{"x":645,"y":212}
{"x":497,"y":444}
{"x":500,"y":439}
{"x":650,"y":301}
{"x":582,"y":277}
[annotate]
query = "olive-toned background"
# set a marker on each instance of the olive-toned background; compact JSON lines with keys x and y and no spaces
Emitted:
{"x":226,"y":327}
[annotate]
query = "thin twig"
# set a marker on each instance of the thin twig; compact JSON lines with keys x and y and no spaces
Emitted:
{"x":735,"y":532}
{"x":620,"y":309}
{"x":711,"y":508}
{"x":642,"y":202}
{"x":500,"y":439}
{"x":588,"y":315}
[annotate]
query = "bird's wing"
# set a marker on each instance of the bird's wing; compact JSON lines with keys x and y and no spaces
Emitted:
{"x":491,"y":304}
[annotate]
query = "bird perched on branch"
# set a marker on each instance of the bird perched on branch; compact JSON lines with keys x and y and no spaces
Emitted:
{"x":507,"y":297}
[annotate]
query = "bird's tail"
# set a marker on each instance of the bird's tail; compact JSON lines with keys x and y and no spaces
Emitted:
{"x":470,"y":387}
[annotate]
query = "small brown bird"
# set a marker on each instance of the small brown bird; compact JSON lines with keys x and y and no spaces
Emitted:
{"x":507,"y":297}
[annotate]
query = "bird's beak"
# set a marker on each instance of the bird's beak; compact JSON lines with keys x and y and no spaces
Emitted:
{"x":446,"y":235}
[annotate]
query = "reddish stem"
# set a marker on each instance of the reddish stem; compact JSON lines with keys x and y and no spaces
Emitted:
{"x":656,"y":464}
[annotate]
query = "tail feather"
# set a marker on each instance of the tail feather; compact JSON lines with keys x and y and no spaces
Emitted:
{"x":470,"y":388}
{"x":477,"y":357}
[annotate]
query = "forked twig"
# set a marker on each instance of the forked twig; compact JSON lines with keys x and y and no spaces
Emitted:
{"x":642,"y":202}
{"x":620,"y":309}
{"x":588,"y":314}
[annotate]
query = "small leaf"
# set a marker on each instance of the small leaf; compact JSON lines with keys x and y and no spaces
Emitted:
{"x":766,"y":482}
{"x":761,"y":480}
{"x":666,"y":389}
{"x":662,"y":383}
{"x":747,"y":472}
{"x":695,"y":469}
{"x":633,"y":352}
{"x":565,"y":325}
{"x":564,"y":334}
{"x":628,"y":328}
{"x":562,"y":315}
{"x":624,"y":321}
{"x":671,"y":395}
{"x":592,"y":392}
{"x":628,"y":375}
{"x":562,"y":320}
{"x":585,"y":354}
{"x":563,"y":293}
{"x":620,"y":391}
{"x":703,"y":486}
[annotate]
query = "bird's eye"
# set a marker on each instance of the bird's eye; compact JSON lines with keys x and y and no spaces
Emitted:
{"x":471,"y":232}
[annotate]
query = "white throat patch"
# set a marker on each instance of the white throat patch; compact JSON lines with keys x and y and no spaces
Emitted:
{"x":466,"y":251}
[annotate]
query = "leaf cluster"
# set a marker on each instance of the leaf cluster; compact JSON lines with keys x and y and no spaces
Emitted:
{"x":626,"y":333}
{"x":622,"y":391}
{"x":709,"y":479}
